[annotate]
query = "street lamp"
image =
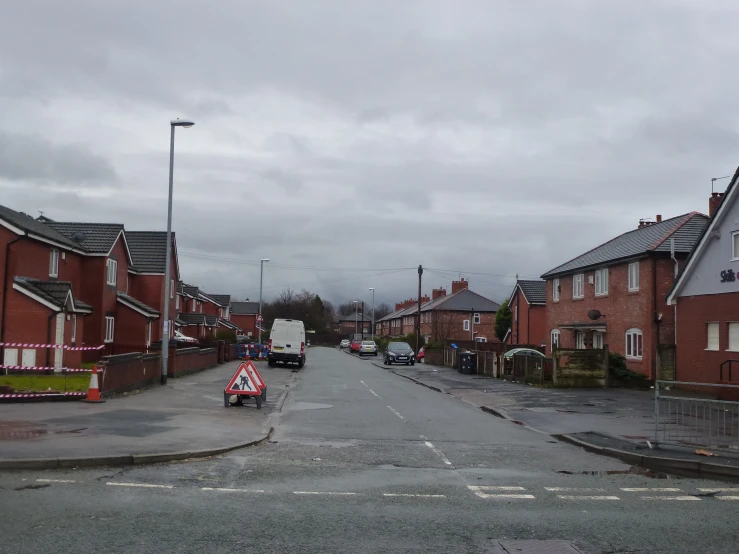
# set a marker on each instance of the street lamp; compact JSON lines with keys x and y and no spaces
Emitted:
{"x":373,"y":312}
{"x":186,"y":123}
{"x":356,"y":316}
{"x":261,"y":279}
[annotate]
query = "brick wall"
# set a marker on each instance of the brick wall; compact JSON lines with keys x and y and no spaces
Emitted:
{"x":694,"y":362}
{"x":185,"y":361}
{"x":130,"y":326}
{"x":28,"y":321}
{"x":246,"y":322}
{"x":623,"y":309}
{"x":127,"y":372}
{"x":149,"y":289}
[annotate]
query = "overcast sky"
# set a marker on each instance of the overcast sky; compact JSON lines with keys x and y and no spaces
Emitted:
{"x":483,"y":138}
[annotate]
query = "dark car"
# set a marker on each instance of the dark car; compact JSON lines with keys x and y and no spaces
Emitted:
{"x":399,"y":353}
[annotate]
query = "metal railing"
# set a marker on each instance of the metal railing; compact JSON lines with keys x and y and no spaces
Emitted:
{"x":696,"y":422}
{"x":721,"y":369}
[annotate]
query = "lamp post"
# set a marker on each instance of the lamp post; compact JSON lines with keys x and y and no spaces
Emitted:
{"x":261,"y":279}
{"x":373,"y":312}
{"x":356,"y":316}
{"x":165,"y":316}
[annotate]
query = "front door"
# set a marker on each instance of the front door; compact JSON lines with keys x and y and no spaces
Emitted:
{"x":59,"y":352}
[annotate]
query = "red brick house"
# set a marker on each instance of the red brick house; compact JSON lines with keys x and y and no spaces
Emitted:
{"x":627,"y":280}
{"x":706,"y":297}
{"x":528,"y":304}
{"x":244,"y":314}
{"x":348,"y":325}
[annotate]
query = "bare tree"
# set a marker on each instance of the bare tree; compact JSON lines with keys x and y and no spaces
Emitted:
{"x":382,"y":310}
{"x":442,"y":324}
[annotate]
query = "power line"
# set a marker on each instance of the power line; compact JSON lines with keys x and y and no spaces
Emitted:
{"x":460,"y":272}
{"x":273,"y":265}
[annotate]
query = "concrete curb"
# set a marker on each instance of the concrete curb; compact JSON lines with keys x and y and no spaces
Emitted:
{"x":126,"y":459}
{"x":677,"y":466}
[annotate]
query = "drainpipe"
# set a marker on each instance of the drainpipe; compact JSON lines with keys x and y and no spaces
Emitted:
{"x":5,"y":292}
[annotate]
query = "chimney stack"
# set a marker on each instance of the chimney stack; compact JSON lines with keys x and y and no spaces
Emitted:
{"x":659,"y":218}
{"x":425,"y":298}
{"x":645,"y":223}
{"x":438,"y":293}
{"x":459,"y":285}
{"x":713,"y":202}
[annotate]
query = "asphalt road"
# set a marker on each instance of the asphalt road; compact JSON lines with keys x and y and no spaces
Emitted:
{"x":361,"y":461}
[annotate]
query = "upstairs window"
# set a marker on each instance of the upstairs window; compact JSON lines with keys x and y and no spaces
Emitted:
{"x":477,"y":317}
{"x":634,"y":276}
{"x":735,"y":245}
{"x":555,"y":290}
{"x":577,"y":285}
{"x":54,"y":263}
{"x":601,"y":282}
{"x":112,"y":272}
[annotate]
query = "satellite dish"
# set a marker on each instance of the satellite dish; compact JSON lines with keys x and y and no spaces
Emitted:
{"x":594,"y":315}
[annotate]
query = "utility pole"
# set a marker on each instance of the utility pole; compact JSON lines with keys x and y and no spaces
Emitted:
{"x":362,"y":319}
{"x":356,"y":316}
{"x":418,"y":315}
{"x":373,"y":312}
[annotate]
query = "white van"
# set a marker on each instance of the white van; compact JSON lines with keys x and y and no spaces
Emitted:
{"x":287,"y":342}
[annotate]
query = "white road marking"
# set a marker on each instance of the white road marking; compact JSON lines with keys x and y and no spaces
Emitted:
{"x":439,"y":453}
{"x":669,"y":498}
{"x":572,"y":489}
{"x":719,"y":490}
{"x":55,"y":481}
{"x":506,"y":496}
{"x":377,"y":395}
{"x":585,"y":497}
{"x":395,"y":412}
{"x":143,"y":485}
{"x":417,"y":495}
{"x":479,"y":490}
{"x":647,"y":489}
{"x":365,"y":384}
{"x":230,"y":490}
{"x":727,"y":497}
{"x":326,"y":493}
{"x":494,"y":488}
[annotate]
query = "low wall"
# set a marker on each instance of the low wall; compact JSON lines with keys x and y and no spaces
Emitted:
{"x":580,"y":368}
{"x":233,"y":352}
{"x":185,"y":361}
{"x":434,"y":357}
{"x":126,"y":372}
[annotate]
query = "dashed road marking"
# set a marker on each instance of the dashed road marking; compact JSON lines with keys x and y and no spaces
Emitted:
{"x":670,"y":498}
{"x":142,"y":485}
{"x":377,"y":395}
{"x":55,"y":481}
{"x":438,"y":452}
{"x":416,"y":495}
{"x":327,"y":493}
{"x":720,"y":490}
{"x":727,"y":497}
{"x":495,"y":488}
{"x":365,"y":384}
{"x":479,"y":490}
{"x":648,"y":489}
{"x":587,"y":497}
{"x":572,"y":489}
{"x":221,"y":489}
{"x":395,"y":412}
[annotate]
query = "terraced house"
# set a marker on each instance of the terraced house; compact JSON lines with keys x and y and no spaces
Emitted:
{"x":615,"y":294}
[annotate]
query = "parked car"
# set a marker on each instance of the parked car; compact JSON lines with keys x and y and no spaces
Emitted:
{"x":421,"y":354}
{"x":368,"y":347}
{"x":346,"y":343}
{"x":399,"y":352}
{"x":287,"y":342}
{"x":179,"y":337}
{"x":354,"y":347}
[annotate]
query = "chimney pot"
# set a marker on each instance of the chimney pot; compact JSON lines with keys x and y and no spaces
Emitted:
{"x":713,"y":202}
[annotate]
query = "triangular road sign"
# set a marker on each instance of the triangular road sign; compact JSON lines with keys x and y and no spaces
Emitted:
{"x":255,"y":375}
{"x":243,"y":383}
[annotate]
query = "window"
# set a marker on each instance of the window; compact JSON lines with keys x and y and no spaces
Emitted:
{"x":476,"y":318}
{"x":466,"y":325}
{"x":580,"y":340}
{"x":633,"y":343}
{"x":555,"y":338}
{"x":634,"y":276}
{"x":177,"y":302}
{"x":54,"y":263}
{"x":597,"y":340}
{"x":712,"y":342}
{"x":601,"y":282}
{"x":735,"y":245}
{"x":733,"y":336}
{"x":109,"y":328}
{"x":200,"y":305}
{"x":74,"y":328}
{"x":112,"y":272}
{"x":516,"y":313}
{"x":555,"y":290}
{"x":577,"y":285}
{"x":171,"y":289}
{"x":148,"y":332}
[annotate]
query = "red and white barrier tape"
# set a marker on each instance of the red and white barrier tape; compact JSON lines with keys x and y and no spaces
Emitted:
{"x":41,"y":395}
{"x":43,"y":368}
{"x":62,"y":346}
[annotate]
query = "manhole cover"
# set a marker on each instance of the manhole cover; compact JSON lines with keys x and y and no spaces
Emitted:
{"x":534,"y":547}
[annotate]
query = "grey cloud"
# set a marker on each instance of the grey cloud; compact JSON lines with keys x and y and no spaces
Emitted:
{"x":34,"y":158}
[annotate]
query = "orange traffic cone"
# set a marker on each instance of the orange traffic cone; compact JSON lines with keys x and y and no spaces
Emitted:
{"x":93,"y":392}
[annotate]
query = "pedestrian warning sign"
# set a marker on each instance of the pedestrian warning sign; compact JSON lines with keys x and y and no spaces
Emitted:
{"x":255,"y":374}
{"x":243,"y":382}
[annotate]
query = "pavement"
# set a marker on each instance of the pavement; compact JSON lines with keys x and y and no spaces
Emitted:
{"x":614,"y":422}
{"x":362,"y":460}
{"x":184,"y":419}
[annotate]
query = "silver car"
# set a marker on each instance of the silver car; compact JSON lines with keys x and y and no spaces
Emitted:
{"x":368,"y":347}
{"x":345,"y":343}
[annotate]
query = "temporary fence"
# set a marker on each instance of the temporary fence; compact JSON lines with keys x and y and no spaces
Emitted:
{"x":694,"y":421}
{"x":43,"y":368}
{"x":56,"y":346}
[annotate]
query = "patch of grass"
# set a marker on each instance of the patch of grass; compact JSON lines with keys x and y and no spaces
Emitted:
{"x":77,"y":382}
